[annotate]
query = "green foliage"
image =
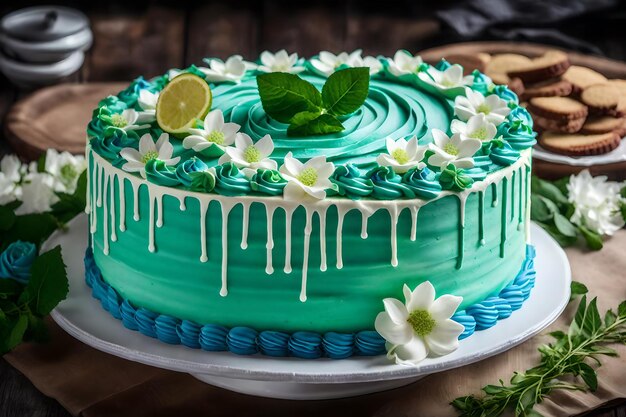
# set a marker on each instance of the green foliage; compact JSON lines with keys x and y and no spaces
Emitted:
{"x":288,"y":98}
{"x":571,"y":356}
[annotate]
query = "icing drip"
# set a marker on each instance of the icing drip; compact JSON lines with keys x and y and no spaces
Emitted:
{"x":159,"y":208}
{"x":505,"y":182}
{"x":226,"y":207}
{"x":244,"y":225}
{"x":135,"y":200}
{"x":269,"y":269}
{"x":341,"y":213}
{"x":364,"y":218}
{"x":462,"y":200}
{"x":288,"y":214}
{"x":513,"y":196}
{"x":322,"y":216}
{"x":394,"y":214}
{"x":414,"y":212}
{"x":152,"y":199}
{"x":520,"y":217}
{"x":203,"y":251}
{"x":305,"y":257}
{"x":122,"y":200}
{"x":105,"y":215}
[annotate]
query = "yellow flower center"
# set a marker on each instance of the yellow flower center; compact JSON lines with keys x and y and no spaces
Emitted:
{"x":149,"y":156}
{"x":401,"y":156}
{"x":68,"y":172}
{"x":480,"y":133}
{"x":450,"y":149}
{"x":484,"y":109}
{"x":216,"y":137}
{"x":447,"y":82}
{"x":422,"y":322}
{"x":308,"y":177}
{"x":119,"y":121}
{"x":251,"y":154}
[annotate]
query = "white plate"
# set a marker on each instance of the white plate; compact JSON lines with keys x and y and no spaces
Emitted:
{"x":83,"y":317}
{"x":616,"y":155}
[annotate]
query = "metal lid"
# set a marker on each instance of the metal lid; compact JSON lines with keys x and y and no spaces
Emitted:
{"x":43,"y":23}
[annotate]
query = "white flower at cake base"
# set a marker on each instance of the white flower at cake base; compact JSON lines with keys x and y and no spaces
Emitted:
{"x":477,"y":127}
{"x":493,"y":107}
{"x":37,"y":194}
{"x":65,"y":168}
{"x":250,"y":156}
{"x":214,"y":133}
{"x":404,"y":63}
{"x":281,"y":61}
{"x":420,"y":326}
{"x":596,"y":203}
{"x":403,"y":155}
{"x":452,"y":150}
{"x":232,"y":70}
{"x":148,"y":101}
{"x":131,"y":119}
{"x":308,"y":180}
{"x":327,"y":62}
{"x":148,"y":150}
{"x":452,"y":77}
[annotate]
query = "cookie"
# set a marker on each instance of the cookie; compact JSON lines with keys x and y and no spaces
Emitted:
{"x":582,"y":77}
{"x":618,"y":85}
{"x":557,"y":108}
{"x":578,"y":144}
{"x":549,"y":65}
{"x":602,"y":124}
{"x":559,"y":125}
{"x":600,"y":98}
{"x":499,"y":65}
{"x":549,"y":88}
{"x":620,"y":110}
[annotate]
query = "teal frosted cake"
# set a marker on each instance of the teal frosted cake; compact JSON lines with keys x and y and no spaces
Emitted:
{"x":315,"y":208}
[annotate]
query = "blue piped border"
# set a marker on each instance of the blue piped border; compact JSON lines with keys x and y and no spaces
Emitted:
{"x":307,"y":345}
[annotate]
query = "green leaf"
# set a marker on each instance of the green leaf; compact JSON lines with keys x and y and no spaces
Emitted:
{"x":29,"y":228}
{"x":10,"y":288}
{"x":579,"y":317}
{"x":621,"y":310}
{"x":577,"y":288}
{"x":588,"y":374}
{"x":552,"y":207}
{"x":609,"y":318}
{"x":593,"y":239}
{"x":346,"y":90}
{"x":558,"y":334}
{"x":539,"y":210}
{"x":285,"y":95}
{"x":564,"y":226}
{"x":48,"y":284}
{"x":548,"y":190}
{"x":41,"y":163}
{"x":312,"y":123}
{"x":592,"y":321}
{"x":558,"y":236}
{"x":37,"y":330}
{"x":7,"y":218}
{"x":70,"y":205}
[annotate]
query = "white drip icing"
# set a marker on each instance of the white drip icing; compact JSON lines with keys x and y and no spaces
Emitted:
{"x":393,"y":217}
{"x":305,"y":255}
{"x":122,"y":199}
{"x":112,"y":205}
{"x":322,"y":217}
{"x":226,"y":207}
{"x":414,"y":211}
{"x":204,"y":205}
{"x":341,"y":213}
{"x":135,"y":186}
{"x":105,"y":214}
{"x":151,"y":199}
{"x":269,"y":246}
{"x":245,"y":220}
{"x":288,"y":214}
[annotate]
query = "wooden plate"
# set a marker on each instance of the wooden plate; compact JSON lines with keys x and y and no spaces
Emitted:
{"x":55,"y":117}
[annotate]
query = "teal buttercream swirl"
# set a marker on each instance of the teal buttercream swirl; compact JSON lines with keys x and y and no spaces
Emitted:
{"x":202,"y":181}
{"x":192,"y":69}
{"x":502,"y":153}
{"x":113,"y":104}
{"x":387,"y":184}
{"x":145,"y":321}
{"x":520,"y":113}
{"x":268,"y":181}
{"x":505,"y":94}
{"x":443,"y":65}
{"x":230,"y":181}
{"x":189,"y":334}
{"x":127,"y":312}
{"x":423,"y":182}
{"x":502,"y":306}
{"x":518,"y":134}
{"x":272,"y":343}
{"x":467,"y":321}
{"x":110,"y":146}
{"x":242,"y":340}
{"x":369,"y":343}
{"x":307,"y":345}
{"x":131,"y":93}
{"x":160,"y":173}
{"x":185,"y":170}
{"x":476,"y":173}
{"x":486,"y":315}
{"x":338,"y":345}
{"x":165,"y":327}
{"x":454,"y":179}
{"x":481,"y":83}
{"x":213,"y":338}
{"x":350,"y":182}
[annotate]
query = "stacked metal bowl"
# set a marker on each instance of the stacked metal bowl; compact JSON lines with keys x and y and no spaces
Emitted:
{"x":43,"y":45}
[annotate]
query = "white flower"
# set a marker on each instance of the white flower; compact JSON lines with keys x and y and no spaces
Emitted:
{"x":37,"y":194}
{"x":327,"y":63}
{"x":281,"y":61}
{"x":310,"y":179}
{"x":596,"y":203}
{"x":7,"y":189}
{"x":65,"y":168}
{"x":148,"y":150}
{"x":493,"y":107}
{"x":420,"y":326}
{"x":372,"y":63}
{"x":452,"y":150}
{"x":131,"y":119}
{"x":232,"y":70}
{"x":250,"y":156}
{"x":10,"y":166}
{"x":214,"y":132}
{"x":404,"y":63}
{"x":403,"y":155}
{"x":452,"y":77}
{"x":477,"y":127}
{"x":173,"y":73}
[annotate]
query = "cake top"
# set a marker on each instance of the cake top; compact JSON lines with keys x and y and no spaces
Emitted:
{"x":342,"y":126}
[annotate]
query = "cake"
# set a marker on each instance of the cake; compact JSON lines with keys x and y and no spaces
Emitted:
{"x":254,"y":229}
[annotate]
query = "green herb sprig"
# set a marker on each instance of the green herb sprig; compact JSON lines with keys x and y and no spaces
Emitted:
{"x":289,"y":99}
{"x":572,"y":354}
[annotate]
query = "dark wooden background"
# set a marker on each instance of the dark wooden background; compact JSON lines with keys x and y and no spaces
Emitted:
{"x":133,"y":38}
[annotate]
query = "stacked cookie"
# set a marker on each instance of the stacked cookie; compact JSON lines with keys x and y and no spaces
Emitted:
{"x":576,"y":110}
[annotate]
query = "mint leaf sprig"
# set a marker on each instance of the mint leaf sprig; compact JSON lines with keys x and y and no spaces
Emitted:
{"x":289,"y":99}
{"x":573,"y":355}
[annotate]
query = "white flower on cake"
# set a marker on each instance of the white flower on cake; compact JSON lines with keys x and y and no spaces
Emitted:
{"x":403,"y":155}
{"x":214,"y":132}
{"x":420,"y":326}
{"x":404,"y":63}
{"x":596,"y":203}
{"x":452,"y":150}
{"x":493,"y":107}
{"x":250,"y":156}
{"x":452,"y":77}
{"x":310,"y":179}
{"x":37,"y":194}
{"x":148,"y":101}
{"x":281,"y":61}
{"x":148,"y":150}
{"x":232,"y":70}
{"x":477,"y":127}
{"x":327,"y":62}
{"x":65,"y":168}
{"x":131,"y":119}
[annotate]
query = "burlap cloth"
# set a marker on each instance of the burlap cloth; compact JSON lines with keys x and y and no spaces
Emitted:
{"x":91,"y":383}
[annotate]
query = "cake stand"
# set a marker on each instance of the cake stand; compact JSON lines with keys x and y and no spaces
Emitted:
{"x":291,"y":378}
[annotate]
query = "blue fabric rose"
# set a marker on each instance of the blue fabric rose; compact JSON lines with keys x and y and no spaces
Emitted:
{"x":16,"y":260}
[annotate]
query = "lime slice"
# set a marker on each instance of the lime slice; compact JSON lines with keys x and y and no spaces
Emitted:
{"x":182,"y":101}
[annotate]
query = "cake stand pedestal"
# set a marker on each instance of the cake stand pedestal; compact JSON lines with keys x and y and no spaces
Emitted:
{"x":291,"y":378}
